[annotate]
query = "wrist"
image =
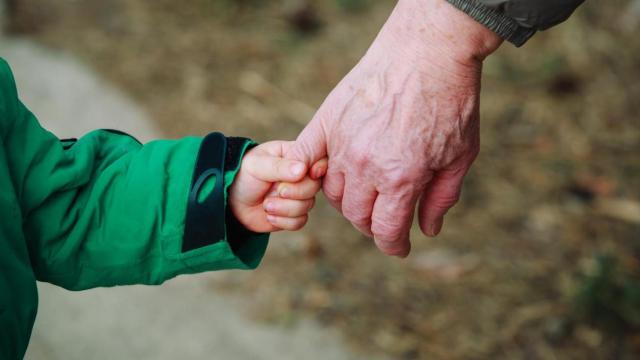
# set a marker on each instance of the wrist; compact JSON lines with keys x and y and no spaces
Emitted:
{"x":438,"y":30}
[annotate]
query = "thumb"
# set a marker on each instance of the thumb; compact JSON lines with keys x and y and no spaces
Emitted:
{"x":275,"y":169}
{"x":311,"y":144}
{"x":441,"y":195}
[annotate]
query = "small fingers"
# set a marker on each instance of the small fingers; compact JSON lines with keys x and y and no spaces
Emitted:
{"x":288,"y":223}
{"x":288,"y":208}
{"x":303,"y":190}
{"x":277,"y":148}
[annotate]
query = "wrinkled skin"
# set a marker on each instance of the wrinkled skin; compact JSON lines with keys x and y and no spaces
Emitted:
{"x":402,"y":127}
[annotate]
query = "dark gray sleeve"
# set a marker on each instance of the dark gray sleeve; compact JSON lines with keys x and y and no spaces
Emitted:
{"x":517,"y":20}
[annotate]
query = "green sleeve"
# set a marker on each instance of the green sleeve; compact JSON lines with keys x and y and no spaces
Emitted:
{"x":106,"y":210}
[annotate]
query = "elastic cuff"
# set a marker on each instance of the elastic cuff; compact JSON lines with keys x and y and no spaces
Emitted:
{"x":219,"y":158}
{"x":246,"y":245}
{"x":506,"y":27}
{"x":210,"y":227}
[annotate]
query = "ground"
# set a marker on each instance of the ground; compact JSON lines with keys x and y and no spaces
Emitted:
{"x":540,"y":260}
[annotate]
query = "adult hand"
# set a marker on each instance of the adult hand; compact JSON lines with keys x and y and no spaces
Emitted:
{"x":402,"y":126}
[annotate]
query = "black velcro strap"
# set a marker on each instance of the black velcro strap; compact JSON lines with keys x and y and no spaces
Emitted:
{"x":235,"y":147}
{"x":205,"y":222}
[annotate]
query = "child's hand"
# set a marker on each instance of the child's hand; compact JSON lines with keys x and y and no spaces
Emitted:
{"x":271,"y":193}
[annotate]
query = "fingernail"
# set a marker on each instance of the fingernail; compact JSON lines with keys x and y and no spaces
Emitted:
{"x":269,"y":206}
{"x":319,"y":172}
{"x":297,"y":169}
{"x":283,"y":191}
{"x":436,"y":227}
{"x":271,"y":219}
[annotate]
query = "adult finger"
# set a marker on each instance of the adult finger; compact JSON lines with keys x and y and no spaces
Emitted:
{"x":391,"y":222}
{"x":441,"y":194}
{"x":357,"y":204}
{"x":319,"y":169}
{"x":333,"y":188}
{"x":274,"y":169}
{"x":302,"y":190}
{"x":311,"y":144}
{"x":287,"y":223}
{"x":288,"y":208}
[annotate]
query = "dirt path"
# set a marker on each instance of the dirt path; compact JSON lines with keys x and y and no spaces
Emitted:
{"x":184,"y":319}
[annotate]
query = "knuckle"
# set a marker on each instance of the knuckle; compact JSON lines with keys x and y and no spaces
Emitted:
{"x":446,"y":201}
{"x":300,"y":223}
{"x":303,"y":149}
{"x":355,"y":216}
{"x":306,"y":150}
{"x":398,"y":179}
{"x":386,"y":231}
{"x":301,"y":208}
{"x":289,"y":211}
{"x":360,"y":159}
{"x":295,"y":207}
{"x":332,"y":194}
{"x":361,"y":221}
{"x":294,"y":191}
{"x":280,"y":167}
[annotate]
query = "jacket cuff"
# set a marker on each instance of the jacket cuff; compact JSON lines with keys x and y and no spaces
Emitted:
{"x":213,"y":238}
{"x":506,"y":27}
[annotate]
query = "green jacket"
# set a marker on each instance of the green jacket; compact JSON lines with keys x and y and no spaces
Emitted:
{"x":105,"y":210}
{"x":518,"y":20}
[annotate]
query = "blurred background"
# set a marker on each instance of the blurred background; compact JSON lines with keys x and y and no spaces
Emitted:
{"x":540,"y":260}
